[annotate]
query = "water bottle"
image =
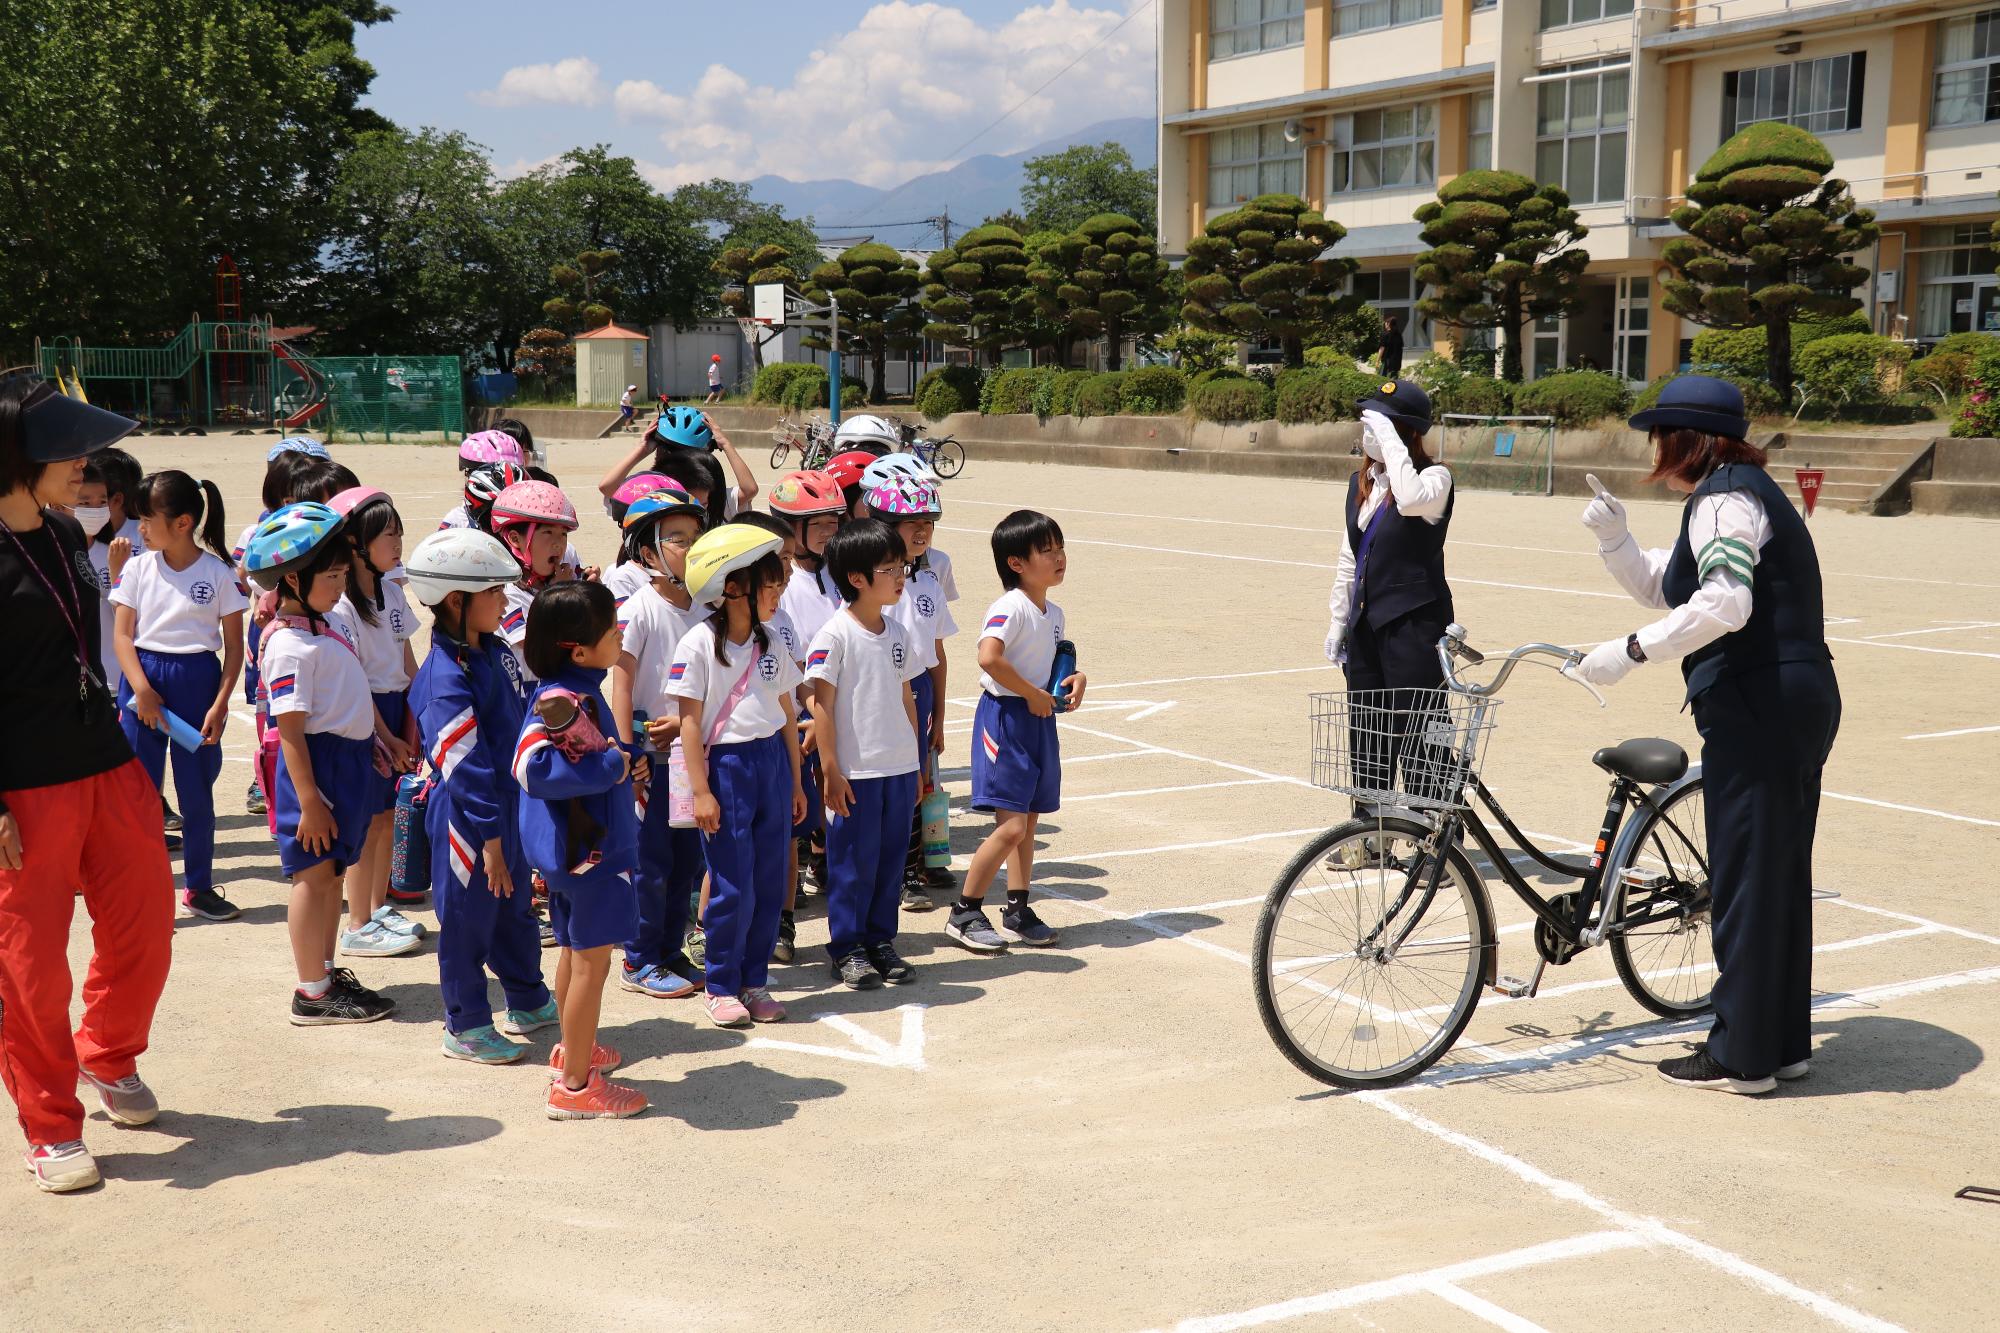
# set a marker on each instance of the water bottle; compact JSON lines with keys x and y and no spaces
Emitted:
{"x":935,"y":812}
{"x":1065,"y":667}
{"x":410,"y":843}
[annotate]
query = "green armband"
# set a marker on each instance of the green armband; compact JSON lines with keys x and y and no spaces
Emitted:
{"x":1730,"y":553}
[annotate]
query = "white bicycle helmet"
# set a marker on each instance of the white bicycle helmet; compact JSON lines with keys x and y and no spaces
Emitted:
{"x":458,"y":560}
{"x":884,"y":471}
{"x":863,"y":430}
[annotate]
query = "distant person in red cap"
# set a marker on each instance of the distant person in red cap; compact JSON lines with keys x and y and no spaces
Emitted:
{"x":714,"y":380}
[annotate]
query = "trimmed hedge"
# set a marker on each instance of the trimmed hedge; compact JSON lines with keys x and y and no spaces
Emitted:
{"x":807,"y":389}
{"x":1322,"y":394}
{"x":1014,"y":390}
{"x":1851,"y":369}
{"x":1759,"y":398}
{"x":1948,"y":372}
{"x":1574,"y":397}
{"x":774,"y":379}
{"x":1152,"y":391}
{"x":1101,"y":395}
{"x":1056,"y":395}
{"x":1475,"y":395}
{"x":947,"y":389}
{"x":1971,"y":344}
{"x":1740,"y":352}
{"x":1228,"y":398}
{"x":1980,"y":417}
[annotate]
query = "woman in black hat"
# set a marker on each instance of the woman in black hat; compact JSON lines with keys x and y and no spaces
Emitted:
{"x":1741,"y":588}
{"x":77,"y":812}
{"x":1390,"y":601}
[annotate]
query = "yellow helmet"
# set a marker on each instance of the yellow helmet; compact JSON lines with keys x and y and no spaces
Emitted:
{"x":722,"y":551}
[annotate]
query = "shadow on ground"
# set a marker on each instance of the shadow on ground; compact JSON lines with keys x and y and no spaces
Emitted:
{"x":219,"y":1147}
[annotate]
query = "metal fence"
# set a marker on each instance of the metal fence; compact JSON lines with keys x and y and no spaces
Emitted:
{"x":387,"y":398}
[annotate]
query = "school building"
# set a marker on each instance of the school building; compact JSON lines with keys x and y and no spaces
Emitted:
{"x":1363,"y":107}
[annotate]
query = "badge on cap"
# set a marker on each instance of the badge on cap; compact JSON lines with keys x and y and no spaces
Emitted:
{"x":1389,"y":386}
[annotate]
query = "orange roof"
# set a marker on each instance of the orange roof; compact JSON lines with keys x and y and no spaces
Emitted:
{"x":612,"y":331}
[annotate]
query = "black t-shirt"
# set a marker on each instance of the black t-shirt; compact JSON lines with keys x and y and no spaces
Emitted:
{"x":48,"y":735}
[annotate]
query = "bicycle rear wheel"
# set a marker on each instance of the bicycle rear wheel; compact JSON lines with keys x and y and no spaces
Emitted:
{"x":1334,"y":1004}
{"x":948,"y":459}
{"x":1662,"y":949}
{"x":778,"y":452}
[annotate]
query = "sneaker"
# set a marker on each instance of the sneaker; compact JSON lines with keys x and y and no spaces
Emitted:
{"x":1786,"y":1073}
{"x":171,"y":820}
{"x":407,"y":897}
{"x":521,"y":1022}
{"x":396,"y":923}
{"x":697,"y":948}
{"x":340,"y":1004}
{"x":763,"y":1006}
{"x":657,"y":982}
{"x":856,"y":973}
{"x":59,"y":1168}
{"x":889,"y":965}
{"x":603,"y":1059}
{"x":547,"y":932}
{"x":599,"y":1099}
{"x":940,"y":877}
{"x":374,"y":940}
{"x":788,"y":938}
{"x":253,"y":800}
{"x":1020,"y":925}
{"x":1702,"y":1070}
{"x":540,"y":887}
{"x":127,"y":1100}
{"x":726,"y":1011}
{"x":209,"y":905}
{"x":970,"y":928}
{"x":481,"y":1046}
{"x":816,"y":875}
{"x":173,"y":845}
{"x":916,"y":894}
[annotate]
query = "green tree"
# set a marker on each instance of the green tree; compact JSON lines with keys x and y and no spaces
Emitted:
{"x":1768,"y":232}
{"x":876,"y":287}
{"x":1104,"y":280}
{"x":1061,"y":191}
{"x":664,"y":252}
{"x":1263,"y":271}
{"x":322,"y":32}
{"x":1504,"y":251}
{"x":586,"y":287}
{"x":976,"y":293}
{"x":737,"y":221}
{"x":528,"y":235}
{"x":1008,"y":218}
{"x":743,"y":268}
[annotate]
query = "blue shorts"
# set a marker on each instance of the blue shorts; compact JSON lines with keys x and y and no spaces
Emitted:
{"x":1016,"y":758}
{"x":344,"y":772}
{"x":590,"y":913}
{"x":394,"y":706}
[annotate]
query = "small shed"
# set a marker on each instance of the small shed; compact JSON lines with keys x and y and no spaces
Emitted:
{"x":607,"y":360}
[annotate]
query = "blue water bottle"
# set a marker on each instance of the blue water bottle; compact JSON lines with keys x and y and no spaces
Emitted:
{"x":410,"y":842}
{"x":1065,"y":667}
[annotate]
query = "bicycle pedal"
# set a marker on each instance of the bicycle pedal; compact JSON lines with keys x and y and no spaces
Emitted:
{"x":1513,"y":987}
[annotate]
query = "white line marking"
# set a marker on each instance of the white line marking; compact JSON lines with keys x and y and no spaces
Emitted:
{"x":1090,"y":858}
{"x":1149,"y":710}
{"x":1935,"y":629}
{"x":1164,"y":791}
{"x":1940,"y":735}
{"x":1482,"y":1308}
{"x":1913,"y":648}
{"x":1959,"y":931}
{"x":907,"y":1053}
{"x":1914,"y":809}
{"x":1233,"y":675}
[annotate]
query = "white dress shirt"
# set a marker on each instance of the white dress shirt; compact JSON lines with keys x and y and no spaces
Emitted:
{"x":1421,"y":495}
{"x":1726,"y":532}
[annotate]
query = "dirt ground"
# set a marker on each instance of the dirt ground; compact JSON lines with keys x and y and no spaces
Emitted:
{"x":1101,"y":1135}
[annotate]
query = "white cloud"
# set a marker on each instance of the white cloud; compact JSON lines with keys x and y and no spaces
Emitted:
{"x":570,"y":82}
{"x":910,"y":82}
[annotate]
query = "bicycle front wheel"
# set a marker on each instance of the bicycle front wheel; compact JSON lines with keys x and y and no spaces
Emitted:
{"x":778,"y":452}
{"x":1662,"y":945}
{"x":1362,"y":980}
{"x":948,"y":459}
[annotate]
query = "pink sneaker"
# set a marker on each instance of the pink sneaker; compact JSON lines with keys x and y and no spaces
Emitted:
{"x":726,"y":1011}
{"x":763,"y":1008}
{"x":603,"y":1059}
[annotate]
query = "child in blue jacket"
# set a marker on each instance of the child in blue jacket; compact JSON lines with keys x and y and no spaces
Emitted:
{"x":579,"y":830}
{"x":469,"y":703}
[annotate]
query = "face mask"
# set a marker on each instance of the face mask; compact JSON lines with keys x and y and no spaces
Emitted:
{"x":94,"y":520}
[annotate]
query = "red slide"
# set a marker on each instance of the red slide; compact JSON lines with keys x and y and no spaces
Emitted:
{"x":316,"y":383}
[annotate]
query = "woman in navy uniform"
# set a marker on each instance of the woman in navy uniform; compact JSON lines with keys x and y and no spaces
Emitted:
{"x":1741,"y":588}
{"x":1390,"y":601}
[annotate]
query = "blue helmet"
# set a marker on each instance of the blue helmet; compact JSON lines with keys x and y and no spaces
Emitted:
{"x":662,"y":502}
{"x":287,"y":539}
{"x":297,"y":444}
{"x":685,"y":426}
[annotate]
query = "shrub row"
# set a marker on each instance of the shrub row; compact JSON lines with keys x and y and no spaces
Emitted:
{"x":800,"y":386}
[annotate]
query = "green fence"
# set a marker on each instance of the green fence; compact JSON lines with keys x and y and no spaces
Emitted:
{"x":384,"y":398}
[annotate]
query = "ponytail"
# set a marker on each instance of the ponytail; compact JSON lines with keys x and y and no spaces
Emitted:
{"x":214,"y":529}
{"x":174,"y":494}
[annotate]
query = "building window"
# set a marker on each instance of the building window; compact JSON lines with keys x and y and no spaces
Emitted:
{"x":1239,"y":27}
{"x":1562,"y":13}
{"x":1580,"y":133}
{"x":1967,"y":87}
{"x":1957,"y":288}
{"x":1479,"y":132}
{"x":1367,"y":15}
{"x":1823,"y":96}
{"x":1244,"y":163}
{"x":1393,"y":291}
{"x":1390,"y":149}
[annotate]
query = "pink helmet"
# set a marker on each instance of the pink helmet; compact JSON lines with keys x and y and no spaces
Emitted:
{"x":351,"y":499}
{"x":533,"y":503}
{"x":490,"y":446}
{"x":644,"y":483}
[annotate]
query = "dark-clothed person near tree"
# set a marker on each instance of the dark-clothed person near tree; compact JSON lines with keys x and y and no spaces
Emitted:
{"x":1392,"y":347}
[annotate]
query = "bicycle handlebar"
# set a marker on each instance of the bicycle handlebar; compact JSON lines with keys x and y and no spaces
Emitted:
{"x":1453,"y":647}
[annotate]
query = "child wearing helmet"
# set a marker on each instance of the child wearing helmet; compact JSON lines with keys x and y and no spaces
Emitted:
{"x":626,"y":576}
{"x":735,"y":685}
{"x":910,"y":465}
{"x":483,"y":485}
{"x":864,"y":432}
{"x":489,"y":446}
{"x":377,"y":610}
{"x":714,"y":379}
{"x":659,"y":530}
{"x":812,"y":502}
{"x":533,"y":521}
{"x":847,"y":469}
{"x":687,"y":433}
{"x":469,"y":704}
{"x":325,"y":790}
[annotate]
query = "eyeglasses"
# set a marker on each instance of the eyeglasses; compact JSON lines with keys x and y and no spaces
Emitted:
{"x":887,"y":570}
{"x":678,"y":541}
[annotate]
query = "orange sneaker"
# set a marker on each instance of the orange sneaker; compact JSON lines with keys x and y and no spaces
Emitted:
{"x":599,"y":1099}
{"x":603,"y":1059}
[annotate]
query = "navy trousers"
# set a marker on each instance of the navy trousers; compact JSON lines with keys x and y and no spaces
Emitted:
{"x":478,"y":931}
{"x":1400,"y":656}
{"x":186,"y":684}
{"x":670,"y":870}
{"x":752,"y":782}
{"x":864,"y":861}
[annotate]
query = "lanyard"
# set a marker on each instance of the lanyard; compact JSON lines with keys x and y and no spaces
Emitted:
{"x":83,"y":676}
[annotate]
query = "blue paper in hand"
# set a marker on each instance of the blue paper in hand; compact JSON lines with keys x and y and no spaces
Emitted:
{"x":178,"y":730}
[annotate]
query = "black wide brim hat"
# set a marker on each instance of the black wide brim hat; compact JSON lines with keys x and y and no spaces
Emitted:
{"x":1402,"y":402}
{"x":56,"y":428}
{"x":1697,"y":402}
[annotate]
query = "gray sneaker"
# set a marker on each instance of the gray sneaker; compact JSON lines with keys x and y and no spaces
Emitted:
{"x":396,"y":923}
{"x":1021,"y":926}
{"x":127,"y":1100}
{"x":972,"y":930}
{"x":376,"y":940}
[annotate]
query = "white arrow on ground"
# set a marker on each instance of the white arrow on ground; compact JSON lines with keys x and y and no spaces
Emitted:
{"x":907,"y":1053}
{"x":1134,"y":709}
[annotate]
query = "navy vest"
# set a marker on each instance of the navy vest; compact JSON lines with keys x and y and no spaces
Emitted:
{"x":1787,"y":614}
{"x":1405,"y":569}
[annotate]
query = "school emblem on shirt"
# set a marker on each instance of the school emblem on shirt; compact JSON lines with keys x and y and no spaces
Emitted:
{"x":202,"y":593}
{"x":513,"y":670}
{"x":926,"y":605}
{"x":897,"y":655}
{"x":90,"y":574}
{"x":791,"y":644}
{"x":396,"y":621}
{"x":767,"y":666}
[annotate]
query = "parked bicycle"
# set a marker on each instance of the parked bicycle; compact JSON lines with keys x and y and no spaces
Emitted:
{"x":944,"y":454}
{"x":1376,"y":941}
{"x":812,"y":439}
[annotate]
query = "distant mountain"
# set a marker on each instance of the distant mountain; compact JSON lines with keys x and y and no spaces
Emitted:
{"x":975,"y":189}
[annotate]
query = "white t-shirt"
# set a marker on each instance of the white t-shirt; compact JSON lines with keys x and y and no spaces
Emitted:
{"x":625,"y":399}
{"x":319,"y":677}
{"x":100,"y":564}
{"x":809,"y":600}
{"x":1028,"y":638}
{"x":626,"y":579}
{"x":940,"y":565}
{"x":765,"y":706}
{"x":654,"y":628}
{"x":781,"y":625}
{"x":180,"y":610}
{"x":454,"y":517}
{"x":714,"y":375}
{"x":925,"y":612}
{"x":380,"y":645}
{"x":869,"y":672}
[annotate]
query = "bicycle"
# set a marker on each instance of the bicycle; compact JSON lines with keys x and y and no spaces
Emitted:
{"x":1377,"y":939}
{"x":814,"y":449}
{"x":945,"y":455}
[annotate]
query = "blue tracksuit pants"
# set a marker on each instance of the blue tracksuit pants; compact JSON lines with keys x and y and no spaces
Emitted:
{"x":752,"y":782}
{"x":186,"y":684}
{"x":864,"y":860}
{"x":478,"y":931}
{"x":670,"y":869}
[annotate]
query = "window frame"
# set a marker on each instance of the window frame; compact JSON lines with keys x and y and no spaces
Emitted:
{"x":1400,"y":14}
{"x":1796,"y":75}
{"x":1990,"y":62}
{"x":1418,"y":335}
{"x":1606,"y":11}
{"x":1473,"y":133}
{"x":1289,"y":13}
{"x":1343,"y":148}
{"x":1292,"y":154}
{"x":1573,"y":76}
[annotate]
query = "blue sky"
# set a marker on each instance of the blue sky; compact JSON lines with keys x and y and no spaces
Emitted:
{"x":871,"y":92}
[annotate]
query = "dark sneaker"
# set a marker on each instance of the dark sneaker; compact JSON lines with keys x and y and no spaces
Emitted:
{"x":815,"y":868}
{"x":1702,"y":1070}
{"x":253,"y":800}
{"x":940,"y":877}
{"x":209,"y":905}
{"x":168,"y":817}
{"x":173,"y":845}
{"x":972,"y":930}
{"x":856,"y":973}
{"x":344,"y":979}
{"x":1020,"y":925}
{"x":339,"y":1005}
{"x":889,"y":965}
{"x":548,"y":932}
{"x":788,"y":935}
{"x":916,"y":894}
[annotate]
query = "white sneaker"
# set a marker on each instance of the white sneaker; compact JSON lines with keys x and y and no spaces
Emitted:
{"x":396,"y":923}
{"x":127,"y":1100}
{"x":376,"y":940}
{"x":1786,"y":1073}
{"x":59,"y":1168}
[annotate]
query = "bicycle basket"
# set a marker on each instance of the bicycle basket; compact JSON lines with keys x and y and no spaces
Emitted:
{"x":1411,"y":749}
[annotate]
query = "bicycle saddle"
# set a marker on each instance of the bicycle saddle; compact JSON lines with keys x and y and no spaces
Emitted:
{"x":1649,"y":760}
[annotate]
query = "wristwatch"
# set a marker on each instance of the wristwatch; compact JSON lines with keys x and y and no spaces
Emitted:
{"x":1632,"y":648}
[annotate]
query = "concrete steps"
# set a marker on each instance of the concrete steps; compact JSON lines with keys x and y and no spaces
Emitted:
{"x":1856,"y":466}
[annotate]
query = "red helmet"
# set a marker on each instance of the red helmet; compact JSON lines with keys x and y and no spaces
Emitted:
{"x":847,"y":468}
{"x":805,"y":494}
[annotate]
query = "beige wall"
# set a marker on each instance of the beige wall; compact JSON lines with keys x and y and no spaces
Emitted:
{"x":1254,"y":78}
{"x":1857,"y":154}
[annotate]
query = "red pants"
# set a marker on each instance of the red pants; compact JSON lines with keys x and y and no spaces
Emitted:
{"x":104,"y":834}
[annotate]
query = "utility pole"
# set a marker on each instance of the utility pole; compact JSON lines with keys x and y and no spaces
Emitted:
{"x":944,"y":226}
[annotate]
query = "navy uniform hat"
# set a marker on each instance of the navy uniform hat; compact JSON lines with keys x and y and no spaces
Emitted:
{"x":1402,"y":402}
{"x":1698,"y":402}
{"x":56,"y":428}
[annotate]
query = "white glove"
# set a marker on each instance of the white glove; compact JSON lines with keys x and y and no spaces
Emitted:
{"x":1336,"y":645}
{"x":1604,"y":516}
{"x":1606,"y":664}
{"x":1377,"y":432}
